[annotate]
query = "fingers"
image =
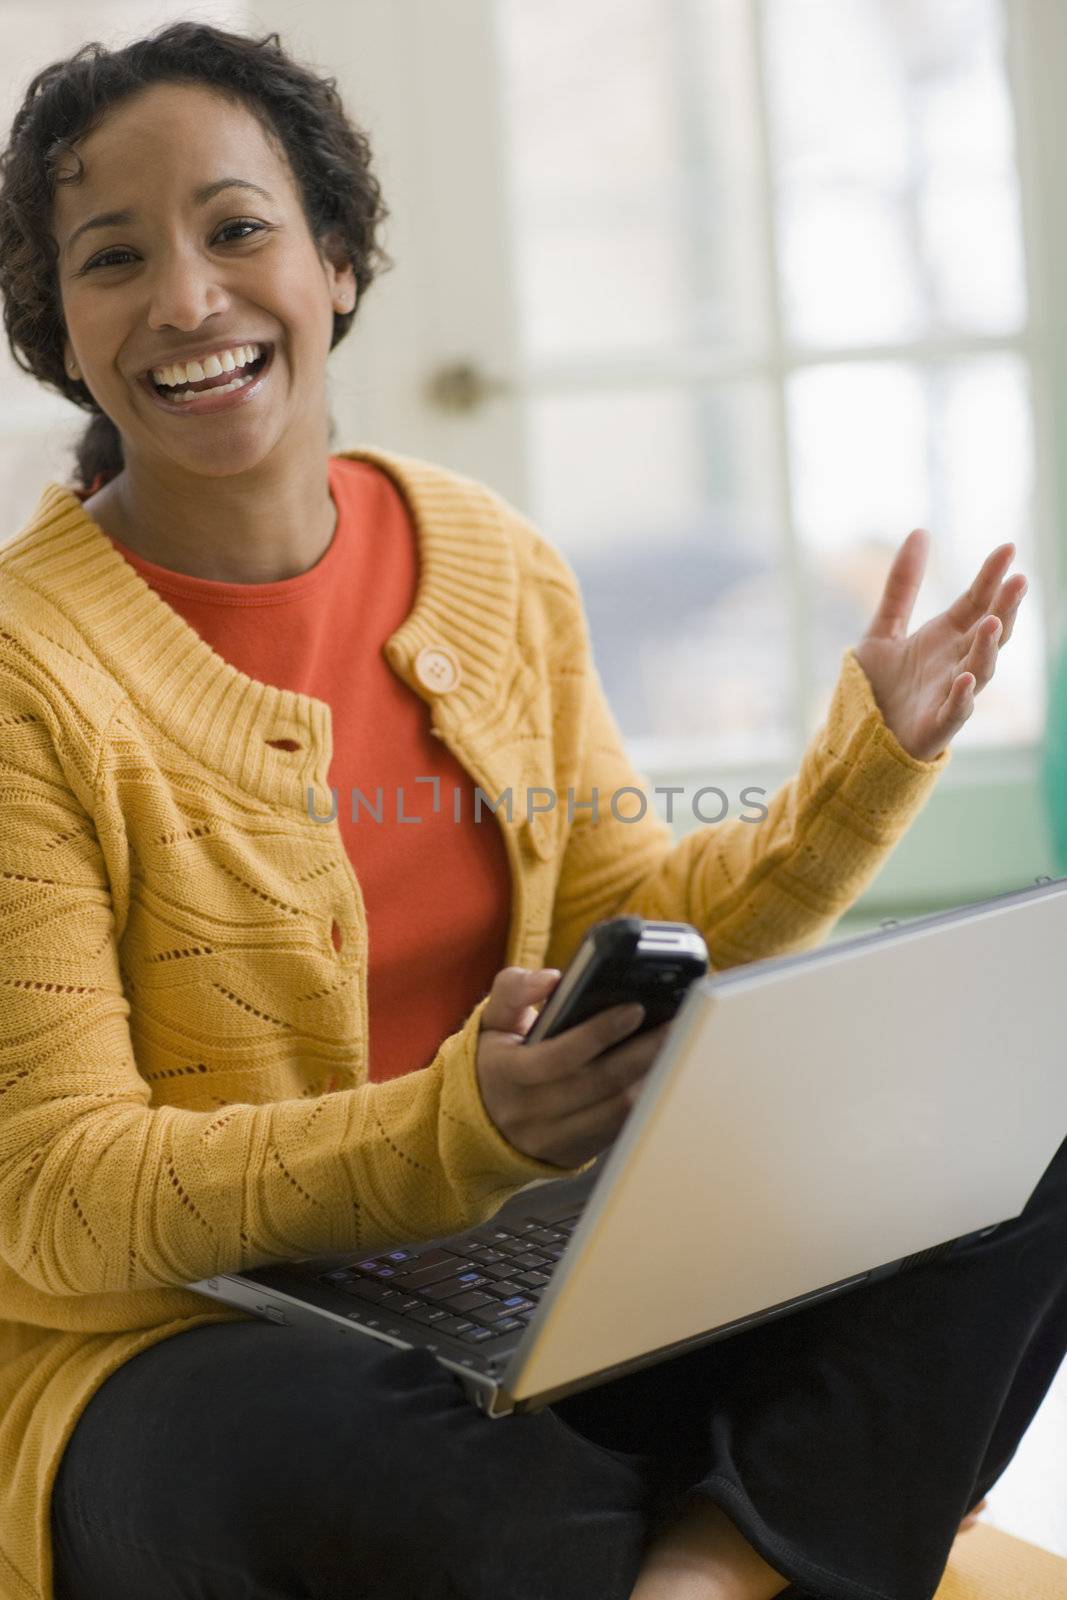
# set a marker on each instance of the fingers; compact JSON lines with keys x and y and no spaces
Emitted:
{"x":965,"y":611}
{"x":959,"y":705}
{"x":981,"y":658}
{"x":558,"y":1104}
{"x":979,"y":661}
{"x":513,"y":996}
{"x":608,"y":1083}
{"x":570,"y":1052}
{"x":592,"y":1061}
{"x":616,"y":1074}
{"x":901,"y":587}
{"x":993,"y":631}
{"x":1006,"y":605}
{"x":510,"y":1009}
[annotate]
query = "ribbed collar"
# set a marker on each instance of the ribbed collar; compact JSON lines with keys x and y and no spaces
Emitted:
{"x":466,"y":599}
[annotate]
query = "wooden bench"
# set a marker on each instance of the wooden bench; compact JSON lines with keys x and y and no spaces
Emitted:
{"x":986,"y":1564}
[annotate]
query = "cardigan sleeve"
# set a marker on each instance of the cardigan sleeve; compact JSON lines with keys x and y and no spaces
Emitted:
{"x":102,"y":1191}
{"x":754,"y":888}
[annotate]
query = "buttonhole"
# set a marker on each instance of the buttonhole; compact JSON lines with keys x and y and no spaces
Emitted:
{"x":335,"y":935}
{"x":284,"y":744}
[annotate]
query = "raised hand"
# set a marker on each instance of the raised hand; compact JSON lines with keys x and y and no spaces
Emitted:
{"x":925,"y":682}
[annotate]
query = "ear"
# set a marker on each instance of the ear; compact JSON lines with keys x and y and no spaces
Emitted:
{"x":69,"y":360}
{"x":340,"y":274}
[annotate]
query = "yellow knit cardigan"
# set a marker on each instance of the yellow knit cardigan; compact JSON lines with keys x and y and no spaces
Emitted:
{"x":183,"y":1052}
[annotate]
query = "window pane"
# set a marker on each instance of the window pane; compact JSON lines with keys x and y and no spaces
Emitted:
{"x":638,"y":181}
{"x":894,"y":169}
{"x":881,"y":448}
{"x":636,"y":204}
{"x":666,"y":504}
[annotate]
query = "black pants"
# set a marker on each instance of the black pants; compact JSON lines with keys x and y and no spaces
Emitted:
{"x":242,"y":1461}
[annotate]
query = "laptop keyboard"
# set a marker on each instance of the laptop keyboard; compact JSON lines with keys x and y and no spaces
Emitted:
{"x":478,"y":1289}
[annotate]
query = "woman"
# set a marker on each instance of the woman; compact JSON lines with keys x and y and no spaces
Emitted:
{"x":210,"y":1062}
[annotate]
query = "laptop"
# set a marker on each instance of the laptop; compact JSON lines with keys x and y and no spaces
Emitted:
{"x":810,"y":1124}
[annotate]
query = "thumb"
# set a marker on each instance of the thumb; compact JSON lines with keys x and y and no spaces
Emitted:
{"x":514,"y":993}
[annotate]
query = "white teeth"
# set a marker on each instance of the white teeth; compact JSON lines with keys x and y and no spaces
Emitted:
{"x":213,"y":366}
{"x":223,"y":388}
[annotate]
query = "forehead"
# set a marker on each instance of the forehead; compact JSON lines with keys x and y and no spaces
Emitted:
{"x":163,"y":143}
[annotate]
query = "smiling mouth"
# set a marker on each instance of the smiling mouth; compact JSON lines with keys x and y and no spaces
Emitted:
{"x":224,"y":393}
{"x":223,"y":382}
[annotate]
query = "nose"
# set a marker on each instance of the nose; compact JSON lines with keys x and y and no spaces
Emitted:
{"x":184,"y":291}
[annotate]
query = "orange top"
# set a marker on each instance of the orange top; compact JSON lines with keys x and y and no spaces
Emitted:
{"x":432,"y":956}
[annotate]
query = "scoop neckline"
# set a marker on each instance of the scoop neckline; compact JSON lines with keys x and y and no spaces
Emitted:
{"x":242,"y":595}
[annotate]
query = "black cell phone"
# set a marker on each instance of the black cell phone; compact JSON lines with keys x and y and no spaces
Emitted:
{"x":621,"y":960}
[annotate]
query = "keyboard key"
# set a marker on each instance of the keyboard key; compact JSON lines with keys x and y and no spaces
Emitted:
{"x":529,"y":1259}
{"x":502,"y":1311}
{"x":532,"y":1280}
{"x":400,"y":1303}
{"x":508,"y":1324}
{"x":450,"y":1286}
{"x":366,"y":1289}
{"x":429,"y":1258}
{"x":496,"y":1269}
{"x":415,"y":1277}
{"x":507,"y":1286}
{"x":478,"y":1335}
{"x":453,"y":1324}
{"x":519,"y":1303}
{"x":546,"y":1236}
{"x":427,"y":1314}
{"x":469,"y":1301}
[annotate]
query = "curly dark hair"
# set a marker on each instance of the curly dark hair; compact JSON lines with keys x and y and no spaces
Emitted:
{"x":329,"y":157}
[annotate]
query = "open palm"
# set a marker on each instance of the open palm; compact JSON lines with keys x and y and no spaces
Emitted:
{"x":925,"y":682}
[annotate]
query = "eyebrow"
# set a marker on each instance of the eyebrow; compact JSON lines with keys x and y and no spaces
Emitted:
{"x":111,"y":219}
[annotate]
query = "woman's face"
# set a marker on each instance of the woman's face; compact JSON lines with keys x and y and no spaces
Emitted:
{"x":181,"y":276}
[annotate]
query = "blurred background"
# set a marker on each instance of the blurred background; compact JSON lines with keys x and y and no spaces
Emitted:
{"x":727,"y":295}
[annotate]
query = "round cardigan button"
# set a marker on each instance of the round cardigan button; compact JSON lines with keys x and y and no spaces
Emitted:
{"x":437,"y":668}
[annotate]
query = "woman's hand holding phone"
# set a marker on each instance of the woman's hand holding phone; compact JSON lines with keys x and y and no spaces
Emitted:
{"x":564,"y":1099}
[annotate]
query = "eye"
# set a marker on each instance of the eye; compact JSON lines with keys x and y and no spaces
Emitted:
{"x":244,"y":222}
{"x":106,"y":258}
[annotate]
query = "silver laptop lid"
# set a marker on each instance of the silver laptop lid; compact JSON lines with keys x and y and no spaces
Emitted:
{"x":813,"y":1118}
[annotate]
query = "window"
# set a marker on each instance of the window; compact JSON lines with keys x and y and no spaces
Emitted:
{"x":772,"y":314}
